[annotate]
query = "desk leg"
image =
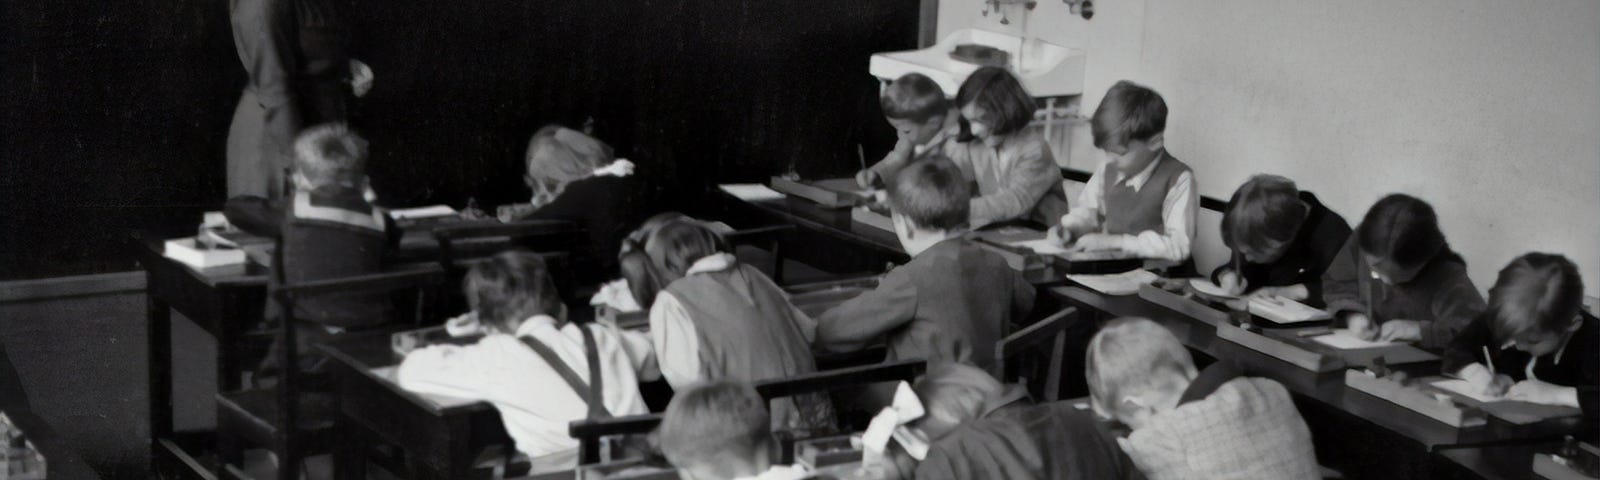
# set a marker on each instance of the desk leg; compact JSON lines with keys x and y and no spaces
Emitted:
{"x":158,"y":332}
{"x":228,"y":372}
{"x":460,"y":454}
{"x":350,"y":453}
{"x":448,"y":457}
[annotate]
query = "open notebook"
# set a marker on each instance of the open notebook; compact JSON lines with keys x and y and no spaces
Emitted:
{"x":1344,"y":339}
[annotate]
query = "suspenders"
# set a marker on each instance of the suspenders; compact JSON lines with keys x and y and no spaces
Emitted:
{"x":590,"y":392}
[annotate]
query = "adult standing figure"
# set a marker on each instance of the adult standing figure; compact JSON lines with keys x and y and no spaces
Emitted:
{"x":299,"y":71}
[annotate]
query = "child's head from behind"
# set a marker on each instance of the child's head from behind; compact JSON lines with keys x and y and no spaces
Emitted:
{"x":715,"y":431}
{"x":1130,"y":125}
{"x":916,"y":107}
{"x":329,"y":155}
{"x":644,"y":281}
{"x":1536,"y":303}
{"x":954,"y":394}
{"x":927,"y":198}
{"x":558,"y":156}
{"x":1399,"y":236}
{"x":994,"y":104}
{"x":677,"y":244}
{"x":1136,"y":368}
{"x":510,"y":288}
{"x":1263,"y":217}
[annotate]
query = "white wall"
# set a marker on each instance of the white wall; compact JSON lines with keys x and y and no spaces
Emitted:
{"x":1490,"y":110}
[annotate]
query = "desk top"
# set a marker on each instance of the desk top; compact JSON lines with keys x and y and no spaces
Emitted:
{"x":833,"y":221}
{"x":838,"y":223}
{"x":417,"y":245}
{"x":1327,"y":388}
{"x":372,"y":355}
{"x":1505,"y":462}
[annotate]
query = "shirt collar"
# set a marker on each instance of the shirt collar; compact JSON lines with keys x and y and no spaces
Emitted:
{"x":534,"y":323}
{"x":1012,"y":395}
{"x":1556,"y":360}
{"x":1137,"y":181}
{"x":715,"y":262}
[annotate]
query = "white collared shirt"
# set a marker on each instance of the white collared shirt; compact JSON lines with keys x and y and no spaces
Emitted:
{"x":535,"y":403}
{"x":1532,"y":361}
{"x":1177,"y":213}
{"x":672,"y":331}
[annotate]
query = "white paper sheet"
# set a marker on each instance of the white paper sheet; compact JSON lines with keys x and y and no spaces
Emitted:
{"x":751,"y":192}
{"x":1043,"y":246}
{"x":1125,"y":283}
{"x":1344,"y":339}
{"x":422,"y":212}
{"x":1286,"y":311}
{"x":1465,"y":389}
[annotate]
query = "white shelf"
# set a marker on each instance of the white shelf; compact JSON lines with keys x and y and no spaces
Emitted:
{"x":1046,"y":69}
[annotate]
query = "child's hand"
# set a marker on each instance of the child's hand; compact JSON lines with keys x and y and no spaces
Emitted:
{"x":1097,"y":242}
{"x":1401,"y":331}
{"x":1059,"y":235}
{"x":463,"y":325}
{"x":1498,"y":386}
{"x":510,"y":213}
{"x":1232,"y":282}
{"x":1297,"y":292}
{"x":621,"y":167}
{"x":1540,"y":392}
{"x":1361,"y":326}
{"x":866,"y":178}
{"x":360,"y":78}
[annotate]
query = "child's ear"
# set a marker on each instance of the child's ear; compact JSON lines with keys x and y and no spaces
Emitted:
{"x":1156,"y":142}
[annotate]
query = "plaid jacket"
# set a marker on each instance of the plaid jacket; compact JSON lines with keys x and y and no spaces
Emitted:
{"x":1247,"y":428}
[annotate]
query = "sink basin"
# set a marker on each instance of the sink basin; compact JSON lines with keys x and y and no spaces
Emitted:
{"x":1046,"y":69}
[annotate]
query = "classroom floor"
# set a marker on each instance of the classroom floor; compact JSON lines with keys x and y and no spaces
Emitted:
{"x":63,"y":348}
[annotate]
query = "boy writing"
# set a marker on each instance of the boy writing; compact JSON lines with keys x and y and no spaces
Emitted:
{"x":952,"y":301}
{"x":538,"y":369}
{"x":922,"y":119}
{"x":1541,"y":345}
{"x":1143,"y":200}
{"x":1211,"y":424}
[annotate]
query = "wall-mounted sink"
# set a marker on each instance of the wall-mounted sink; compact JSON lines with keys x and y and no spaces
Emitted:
{"x":1046,"y":69}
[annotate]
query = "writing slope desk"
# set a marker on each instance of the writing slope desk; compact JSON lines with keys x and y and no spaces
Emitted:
{"x":441,"y":437}
{"x":223,"y":303}
{"x":226,"y":303}
{"x":1363,"y":436}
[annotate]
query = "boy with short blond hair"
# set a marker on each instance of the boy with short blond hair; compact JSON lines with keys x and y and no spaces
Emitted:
{"x":720,"y":431}
{"x":1187,"y":424}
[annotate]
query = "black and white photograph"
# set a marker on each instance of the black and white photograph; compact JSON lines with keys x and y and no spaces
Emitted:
{"x":800,"y":239}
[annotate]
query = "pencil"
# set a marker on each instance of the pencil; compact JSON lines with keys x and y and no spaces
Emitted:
{"x":1487,"y":361}
{"x":861,"y":156}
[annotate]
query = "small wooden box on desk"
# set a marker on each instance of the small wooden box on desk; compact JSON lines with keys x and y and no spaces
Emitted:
{"x":831,"y":193}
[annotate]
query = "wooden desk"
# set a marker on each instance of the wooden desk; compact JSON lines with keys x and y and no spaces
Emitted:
{"x":225,"y":303}
{"x":440,"y":439}
{"x":222,"y":304}
{"x":1504,"y":462}
{"x":1323,"y":398}
{"x":834,"y":226}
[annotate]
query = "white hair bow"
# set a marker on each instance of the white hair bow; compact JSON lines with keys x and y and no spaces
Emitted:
{"x":891,"y":424}
{"x":619,"y":168}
